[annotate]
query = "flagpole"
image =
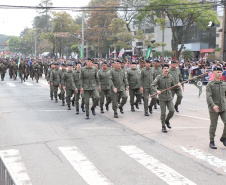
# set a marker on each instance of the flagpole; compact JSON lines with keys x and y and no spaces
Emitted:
{"x":177,"y":84}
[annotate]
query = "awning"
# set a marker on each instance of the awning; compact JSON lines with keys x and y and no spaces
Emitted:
{"x":206,"y":50}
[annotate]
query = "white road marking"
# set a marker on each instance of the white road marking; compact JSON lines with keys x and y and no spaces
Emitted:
{"x":164,"y":172}
{"x":51,"y":110}
{"x":99,"y":128}
{"x":84,"y":167}
{"x":191,"y":127}
{"x":199,"y":154}
{"x":11,"y":84}
{"x":28,"y":84}
{"x":44,"y":82}
{"x":14,"y":161}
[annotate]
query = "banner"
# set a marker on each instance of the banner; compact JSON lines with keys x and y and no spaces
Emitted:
{"x":81,"y":52}
{"x":148,"y":53}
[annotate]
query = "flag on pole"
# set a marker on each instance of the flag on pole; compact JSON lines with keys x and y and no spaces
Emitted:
{"x":30,"y":60}
{"x":148,"y":53}
{"x":18,"y":67}
{"x":121,"y":53}
{"x":109,"y":53}
{"x":81,"y":52}
{"x":113,"y":52}
{"x":198,"y":84}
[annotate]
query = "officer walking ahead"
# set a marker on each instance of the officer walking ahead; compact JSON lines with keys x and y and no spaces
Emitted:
{"x":163,"y":82}
{"x":215,"y":97}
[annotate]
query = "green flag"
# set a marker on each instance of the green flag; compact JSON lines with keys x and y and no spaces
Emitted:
{"x":148,"y":52}
{"x":81,"y":52}
{"x":198,"y":83}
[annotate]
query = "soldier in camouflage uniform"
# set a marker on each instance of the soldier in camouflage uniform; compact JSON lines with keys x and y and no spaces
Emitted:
{"x":215,"y":97}
{"x":52,"y":67}
{"x":104,"y":76}
{"x":22,"y":70}
{"x":90,"y":84}
{"x":62,"y":92}
{"x":55,"y":80}
{"x":157,"y":70}
{"x":15,"y":69}
{"x":176,"y":73}
{"x":36,"y":71}
{"x":2,"y":71}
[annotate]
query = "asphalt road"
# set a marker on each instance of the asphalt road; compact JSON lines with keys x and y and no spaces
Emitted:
{"x":45,"y":144}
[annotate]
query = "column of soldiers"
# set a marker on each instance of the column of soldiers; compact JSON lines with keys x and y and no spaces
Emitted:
{"x":112,"y":84}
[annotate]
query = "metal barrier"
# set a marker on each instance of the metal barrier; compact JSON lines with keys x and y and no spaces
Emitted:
{"x":189,"y":73}
{"x":6,"y":177}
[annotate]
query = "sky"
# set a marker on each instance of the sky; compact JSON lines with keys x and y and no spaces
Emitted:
{"x":13,"y":22}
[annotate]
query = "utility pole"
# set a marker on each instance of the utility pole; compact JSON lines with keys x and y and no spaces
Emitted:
{"x":83,"y":37}
{"x":224,"y":33}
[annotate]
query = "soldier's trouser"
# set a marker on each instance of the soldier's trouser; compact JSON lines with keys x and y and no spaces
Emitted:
{"x":69,"y":93}
{"x":77,"y":97}
{"x":22,"y":77}
{"x":213,"y":123}
{"x":10,"y":73}
{"x":36,"y":76}
{"x":95,"y":94}
{"x":170,"y":107}
{"x":115,"y":96}
{"x":107,"y":94}
{"x":2,"y":75}
{"x":14,"y":74}
{"x":62,"y":94}
{"x":55,"y":90}
{"x":46,"y":74}
{"x":51,"y":91}
{"x":179,"y":94}
{"x":146,"y":93}
{"x":132,"y":94}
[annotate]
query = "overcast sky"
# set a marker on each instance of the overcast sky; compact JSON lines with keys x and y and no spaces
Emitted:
{"x":12,"y":22}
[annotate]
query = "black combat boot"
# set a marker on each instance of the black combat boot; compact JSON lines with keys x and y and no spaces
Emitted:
{"x":51,"y":98}
{"x":150,"y":109}
{"x":56,"y":100}
{"x":223,"y":140}
{"x":212,"y":145}
{"x":87,"y":116}
{"x":155,"y":106}
{"x":164,"y":129}
{"x":93,"y":111}
{"x":137,"y":106}
{"x":107,"y":107}
{"x":146,"y":114}
{"x":121,"y":110}
{"x":102,"y":110}
{"x":73,"y":103}
{"x":115,"y":115}
{"x":77,"y":111}
{"x":132,"y":108}
{"x":69,"y":107}
{"x":176,"y":108}
{"x":63,"y":103}
{"x":168,"y":124}
{"x":83,"y":108}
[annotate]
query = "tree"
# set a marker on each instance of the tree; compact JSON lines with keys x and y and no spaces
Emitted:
{"x":183,"y":13}
{"x":157,"y":54}
{"x":98,"y":25}
{"x":44,"y":17}
{"x":119,"y":34}
{"x":63,"y":22}
{"x":14,"y":43}
{"x":168,"y":53}
{"x":147,"y":40}
{"x":27,"y":41}
{"x":187,"y":55}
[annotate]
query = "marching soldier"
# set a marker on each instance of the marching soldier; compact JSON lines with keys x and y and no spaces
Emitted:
{"x":36,"y":71}
{"x":32,"y":70}
{"x":15,"y":69}
{"x":22,"y":70}
{"x":76,"y":76}
{"x":119,"y":86}
{"x":104,"y":76}
{"x":41,"y":68}
{"x":176,"y":73}
{"x":163,"y":82}
{"x":215,"y":97}
{"x":55,"y":80}
{"x":157,"y":71}
{"x":146,"y":89}
{"x":45,"y":68}
{"x":52,"y":66}
{"x":2,"y":71}
{"x":133,"y":76}
{"x":27,"y":70}
{"x":11,"y":70}
{"x":68,"y":85}
{"x":62,"y":92}
{"x":90,"y":84}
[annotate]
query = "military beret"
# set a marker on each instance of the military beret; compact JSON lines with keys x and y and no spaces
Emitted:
{"x":165,"y":65}
{"x":133,"y":63}
{"x":105,"y":63}
{"x":148,"y":61}
{"x":78,"y":63}
{"x":142,"y":61}
{"x":217,"y":69}
{"x":95,"y":63}
{"x":52,"y":63}
{"x":156,"y":60}
{"x":69,"y":64}
{"x":89,"y":59}
{"x":118,"y":61}
{"x":92,"y":60}
{"x":63,"y":64}
{"x":56,"y":64}
{"x":122,"y":62}
{"x":173,"y":62}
